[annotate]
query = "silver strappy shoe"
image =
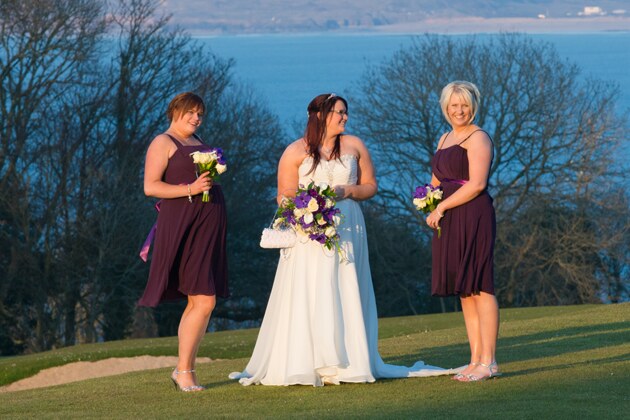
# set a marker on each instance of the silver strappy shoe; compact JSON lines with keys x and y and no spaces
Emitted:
{"x":461,"y":376}
{"x":178,"y":387}
{"x":493,"y":372}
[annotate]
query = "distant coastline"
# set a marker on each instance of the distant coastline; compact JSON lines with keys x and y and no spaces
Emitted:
{"x":527,"y":25}
{"x":439,"y":26}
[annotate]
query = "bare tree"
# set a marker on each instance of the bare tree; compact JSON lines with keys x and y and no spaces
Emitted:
{"x":555,"y":138}
{"x":148,"y":65}
{"x":43,"y":46}
{"x":84,"y":90}
{"x":254,"y":140}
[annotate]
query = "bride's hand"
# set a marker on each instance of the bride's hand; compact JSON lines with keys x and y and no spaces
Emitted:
{"x":340,"y":191}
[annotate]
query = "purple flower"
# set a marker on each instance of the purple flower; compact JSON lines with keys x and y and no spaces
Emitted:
{"x":420,"y":192}
{"x":301,"y":200}
{"x":288,"y":215}
{"x":318,"y":237}
{"x":328,"y":215}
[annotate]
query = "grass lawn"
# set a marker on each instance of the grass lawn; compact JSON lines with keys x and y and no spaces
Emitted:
{"x":569,"y":362}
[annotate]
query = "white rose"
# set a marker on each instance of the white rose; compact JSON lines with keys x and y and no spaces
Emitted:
{"x":321,"y":221}
{"x":195,"y":157}
{"x":419,"y":203}
{"x":329,"y":203}
{"x":308,"y":218}
{"x":437,"y":194}
{"x":330,"y":232}
{"x":221,"y":168}
{"x":298,"y":212}
{"x":312,"y":205}
{"x":322,"y":186}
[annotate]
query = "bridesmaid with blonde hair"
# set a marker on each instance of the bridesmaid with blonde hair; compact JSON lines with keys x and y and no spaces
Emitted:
{"x":463,"y":255}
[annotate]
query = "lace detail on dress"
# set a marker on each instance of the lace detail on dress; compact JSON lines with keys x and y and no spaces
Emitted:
{"x":333,"y":172}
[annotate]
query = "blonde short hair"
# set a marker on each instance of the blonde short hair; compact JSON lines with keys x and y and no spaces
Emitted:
{"x":468,"y":92}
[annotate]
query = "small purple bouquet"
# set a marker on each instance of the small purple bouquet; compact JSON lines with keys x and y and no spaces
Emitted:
{"x":426,"y":198}
{"x":312,"y":213}
{"x":209,"y":161}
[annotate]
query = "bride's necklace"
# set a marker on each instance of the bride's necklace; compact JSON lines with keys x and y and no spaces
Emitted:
{"x":328,"y":164}
{"x":329,"y":168}
{"x":327,"y":150}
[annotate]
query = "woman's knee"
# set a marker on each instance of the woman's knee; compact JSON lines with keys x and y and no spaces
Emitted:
{"x":204,"y":303}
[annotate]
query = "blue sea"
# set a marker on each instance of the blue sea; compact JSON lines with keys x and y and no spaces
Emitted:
{"x":287,"y":71}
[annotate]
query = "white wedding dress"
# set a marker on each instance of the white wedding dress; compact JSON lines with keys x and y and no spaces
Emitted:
{"x":321,"y":324}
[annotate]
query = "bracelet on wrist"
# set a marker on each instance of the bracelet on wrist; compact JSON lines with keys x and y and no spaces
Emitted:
{"x":437,"y":209}
{"x":189,"y":194}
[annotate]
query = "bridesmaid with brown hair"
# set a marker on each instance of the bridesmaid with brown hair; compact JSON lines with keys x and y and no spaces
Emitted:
{"x":189,"y":257}
{"x":463,"y":256}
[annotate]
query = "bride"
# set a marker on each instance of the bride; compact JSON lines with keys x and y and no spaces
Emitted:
{"x":321,"y":326}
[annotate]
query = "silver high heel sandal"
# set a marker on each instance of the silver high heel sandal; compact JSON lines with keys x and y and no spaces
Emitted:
{"x":178,"y":387}
{"x":493,"y":371}
{"x":460,"y":376}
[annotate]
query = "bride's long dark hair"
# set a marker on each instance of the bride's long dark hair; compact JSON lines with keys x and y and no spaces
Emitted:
{"x":318,"y":110}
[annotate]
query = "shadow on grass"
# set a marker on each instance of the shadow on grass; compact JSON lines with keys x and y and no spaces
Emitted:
{"x":529,"y":346}
{"x":211,"y":385}
{"x":563,"y":366}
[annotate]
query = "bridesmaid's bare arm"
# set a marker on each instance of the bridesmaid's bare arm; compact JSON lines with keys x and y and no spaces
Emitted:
{"x":158,"y":154}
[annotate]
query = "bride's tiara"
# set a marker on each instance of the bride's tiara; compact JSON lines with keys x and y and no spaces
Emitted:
{"x":332,"y":95}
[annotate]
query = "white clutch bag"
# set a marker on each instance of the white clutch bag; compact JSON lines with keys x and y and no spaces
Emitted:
{"x":277,"y":238}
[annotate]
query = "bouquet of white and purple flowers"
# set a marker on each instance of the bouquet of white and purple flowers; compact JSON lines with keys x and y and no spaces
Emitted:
{"x":209,"y":161}
{"x":426,"y":198}
{"x":312,"y":213}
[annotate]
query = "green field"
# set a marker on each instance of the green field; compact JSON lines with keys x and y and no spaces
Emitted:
{"x":559,"y":362}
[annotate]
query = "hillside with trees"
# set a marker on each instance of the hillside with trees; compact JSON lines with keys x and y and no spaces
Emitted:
{"x":276,"y":16}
